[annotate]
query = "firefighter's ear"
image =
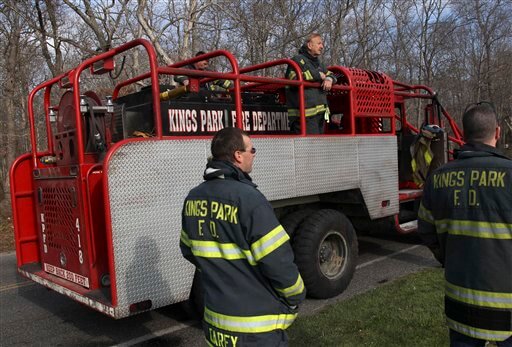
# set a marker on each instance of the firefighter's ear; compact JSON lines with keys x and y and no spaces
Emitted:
{"x":498,"y":133}
{"x":237,"y":156}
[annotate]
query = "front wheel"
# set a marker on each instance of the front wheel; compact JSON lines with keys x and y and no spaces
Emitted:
{"x":325,"y":249}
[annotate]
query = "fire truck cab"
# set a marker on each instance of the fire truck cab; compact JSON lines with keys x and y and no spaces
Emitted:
{"x":97,"y":212}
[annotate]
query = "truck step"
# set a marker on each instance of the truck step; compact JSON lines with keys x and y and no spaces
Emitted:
{"x":407,"y":227}
{"x":405,"y":195}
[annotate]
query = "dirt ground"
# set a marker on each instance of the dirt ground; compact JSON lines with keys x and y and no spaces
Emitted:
{"x":6,"y":235}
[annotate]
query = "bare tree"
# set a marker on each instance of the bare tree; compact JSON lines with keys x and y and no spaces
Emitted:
{"x":17,"y":49}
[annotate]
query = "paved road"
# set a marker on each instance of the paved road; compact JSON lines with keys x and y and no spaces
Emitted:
{"x":31,"y":315}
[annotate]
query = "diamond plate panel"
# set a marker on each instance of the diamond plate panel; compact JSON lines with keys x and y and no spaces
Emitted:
{"x":325,"y":164}
{"x":147,"y":184}
{"x":149,"y":180}
{"x":274,"y":167}
{"x":378,"y":164}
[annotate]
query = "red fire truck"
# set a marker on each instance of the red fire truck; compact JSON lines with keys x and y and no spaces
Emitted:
{"x":97,"y":212}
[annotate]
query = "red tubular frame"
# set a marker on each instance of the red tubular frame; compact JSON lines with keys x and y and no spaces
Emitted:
{"x":31,"y":117}
{"x":154,"y":86}
{"x":410,"y":91}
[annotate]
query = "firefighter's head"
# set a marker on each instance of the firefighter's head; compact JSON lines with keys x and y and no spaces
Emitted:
{"x":480,"y":123}
{"x":202,"y":64}
{"x":314,"y":44}
{"x":234,"y":145}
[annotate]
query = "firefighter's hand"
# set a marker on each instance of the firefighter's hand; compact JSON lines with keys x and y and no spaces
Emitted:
{"x":327,"y":84}
{"x":186,"y":82}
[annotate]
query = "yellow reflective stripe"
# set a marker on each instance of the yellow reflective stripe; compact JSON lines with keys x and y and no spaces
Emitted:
{"x":293,"y":112}
{"x":307,"y":75}
{"x":268,"y":243}
{"x":226,"y":84}
{"x":414,"y":166}
{"x":295,"y":289}
{"x":428,"y":157}
{"x":249,"y":324}
{"x":184,"y":238}
{"x":292,"y":75}
{"x":213,"y":249}
{"x":484,"y":230}
{"x":312,"y":111}
{"x":478,"y":297}
{"x":425,"y":214}
{"x":483,"y":334}
{"x":321,"y":108}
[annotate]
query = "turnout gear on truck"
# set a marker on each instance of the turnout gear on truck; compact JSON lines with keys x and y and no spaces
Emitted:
{"x":216,"y":85}
{"x":422,"y":155}
{"x":315,"y":99}
{"x":465,"y":217}
{"x":251,"y":285}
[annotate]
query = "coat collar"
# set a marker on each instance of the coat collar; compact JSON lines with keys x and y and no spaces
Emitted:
{"x":225,"y":170}
{"x":477,"y":149}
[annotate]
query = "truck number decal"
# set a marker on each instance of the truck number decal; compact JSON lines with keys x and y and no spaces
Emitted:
{"x":43,"y":230}
{"x":80,"y":253}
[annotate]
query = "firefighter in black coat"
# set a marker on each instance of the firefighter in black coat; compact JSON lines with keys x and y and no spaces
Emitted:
{"x":202,"y":65}
{"x":251,"y":285}
{"x":465,"y":218}
{"x":315,"y":99}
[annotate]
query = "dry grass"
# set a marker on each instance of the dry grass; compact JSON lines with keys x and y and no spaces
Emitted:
{"x":6,"y":235}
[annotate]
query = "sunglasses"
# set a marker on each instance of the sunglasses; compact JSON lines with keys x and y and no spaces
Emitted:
{"x":253,"y":150}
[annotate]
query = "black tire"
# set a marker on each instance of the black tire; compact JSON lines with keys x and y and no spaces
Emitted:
{"x":293,"y":220}
{"x":325,"y":249}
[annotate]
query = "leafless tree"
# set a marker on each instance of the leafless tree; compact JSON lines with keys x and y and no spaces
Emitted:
{"x":460,"y":48}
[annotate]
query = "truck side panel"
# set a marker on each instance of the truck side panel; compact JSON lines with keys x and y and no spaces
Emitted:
{"x":148,"y":182}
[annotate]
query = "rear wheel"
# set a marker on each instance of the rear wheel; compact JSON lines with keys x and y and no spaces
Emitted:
{"x":291,"y":221}
{"x":325,"y":249}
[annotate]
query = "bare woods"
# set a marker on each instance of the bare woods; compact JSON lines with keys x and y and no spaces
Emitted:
{"x":461,"y":48}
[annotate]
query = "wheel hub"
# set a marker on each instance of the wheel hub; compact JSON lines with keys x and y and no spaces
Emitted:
{"x":332,"y":254}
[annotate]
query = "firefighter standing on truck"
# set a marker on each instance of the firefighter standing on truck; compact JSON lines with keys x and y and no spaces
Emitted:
{"x":202,"y":65}
{"x":315,"y":99}
{"x":465,"y":218}
{"x":230,"y":233}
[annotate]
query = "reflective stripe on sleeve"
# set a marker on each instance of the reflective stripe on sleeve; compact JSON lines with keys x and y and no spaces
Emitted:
{"x":292,"y":75}
{"x":249,"y":324}
{"x":295,"y":289}
{"x":307,"y":75}
{"x":213,"y":249}
{"x":484,"y":230}
{"x":184,"y":238}
{"x":425,"y":214}
{"x":478,"y":297}
{"x":268,"y":243}
{"x":490,"y":335}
